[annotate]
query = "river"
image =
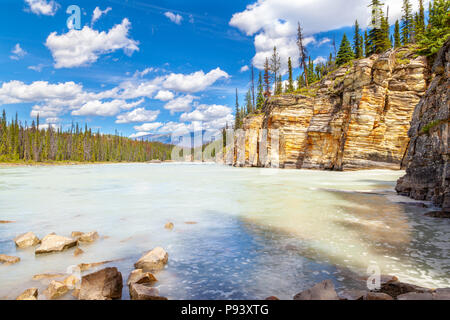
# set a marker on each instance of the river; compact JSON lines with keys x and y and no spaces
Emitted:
{"x":239,"y":233}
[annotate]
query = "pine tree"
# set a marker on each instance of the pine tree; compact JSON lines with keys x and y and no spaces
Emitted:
{"x":357,"y":44}
{"x":377,"y":34}
{"x":386,"y":43}
{"x":438,"y":29}
{"x":290,"y":86}
{"x":275,"y":66}
{"x":345,"y":53}
{"x":367,"y":45}
{"x":303,"y":52}
{"x":279,"y":86}
{"x":249,"y":103}
{"x":407,"y":22}
{"x":237,"y":120}
{"x":260,"y":97}
{"x":267,"y":79}
{"x":397,"y":40}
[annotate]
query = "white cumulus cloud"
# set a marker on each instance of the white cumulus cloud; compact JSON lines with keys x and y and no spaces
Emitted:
{"x":148,"y":127}
{"x":17,"y":52}
{"x":44,"y":7}
{"x":98,"y":13}
{"x":83,"y":47}
{"x":164,"y":95}
{"x":175,"y":18}
{"x":138,"y":115}
{"x":105,"y":109}
{"x":194,"y":82}
{"x":180,"y":104}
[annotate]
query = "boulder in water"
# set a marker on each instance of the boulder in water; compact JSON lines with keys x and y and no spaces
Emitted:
{"x":8,"y":260}
{"x":56,"y":290}
{"x":26,"y":240}
{"x":140,"y":277}
{"x":89,"y":237}
{"x":153,"y":260}
{"x":54,"y":243}
{"x":143,"y":292}
{"x":29,"y":294}
{"x":105,"y":284}
{"x":322,"y":291}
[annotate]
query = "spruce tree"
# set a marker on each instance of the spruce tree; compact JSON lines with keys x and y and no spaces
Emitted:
{"x":303,"y":52}
{"x":237,"y":120}
{"x":275,"y":66}
{"x":407,"y":22}
{"x":249,"y":103}
{"x":260,"y":97}
{"x":290,"y":86}
{"x":345,"y":53}
{"x":267,"y":81}
{"x":357,"y":44}
{"x":397,"y":39}
{"x":438,"y":29}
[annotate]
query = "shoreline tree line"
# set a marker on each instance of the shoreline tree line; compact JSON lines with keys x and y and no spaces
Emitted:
{"x":411,"y":31}
{"x":20,"y":142}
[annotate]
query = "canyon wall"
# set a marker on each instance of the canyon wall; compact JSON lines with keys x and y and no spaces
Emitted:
{"x":356,"y":117}
{"x":428,"y":172}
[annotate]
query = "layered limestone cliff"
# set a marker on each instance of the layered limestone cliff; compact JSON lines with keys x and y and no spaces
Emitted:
{"x":428,"y":173}
{"x":357,"y":117}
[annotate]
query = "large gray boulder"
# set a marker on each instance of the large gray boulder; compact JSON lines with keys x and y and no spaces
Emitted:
{"x":105,"y":284}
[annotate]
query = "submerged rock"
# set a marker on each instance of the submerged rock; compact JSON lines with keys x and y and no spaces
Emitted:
{"x":54,"y":243}
{"x":8,"y":260}
{"x":89,"y":237}
{"x":272,"y":298}
{"x":56,"y":290}
{"x":6,"y":222}
{"x":153,"y":260}
{"x":322,"y":291}
{"x":169,"y":226}
{"x":105,"y":284}
{"x":377,"y":296}
{"x":29,"y":294}
{"x":86,"y":266}
{"x":26,"y":240}
{"x":44,"y":276}
{"x":78,"y":252}
{"x":140,"y":277}
{"x":76,"y":234}
{"x":143,"y":292}
{"x":71,"y":281}
{"x":439,"y":214}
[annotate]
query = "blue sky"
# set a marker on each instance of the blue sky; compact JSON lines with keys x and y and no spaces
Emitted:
{"x":153,"y":66}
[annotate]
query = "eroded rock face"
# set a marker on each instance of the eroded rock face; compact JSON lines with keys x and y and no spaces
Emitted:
{"x":105,"y":284}
{"x":29,"y":294}
{"x":322,"y":291}
{"x":26,"y":240}
{"x":428,"y":172}
{"x":357,"y":117}
{"x":8,"y":260}
{"x":153,"y":260}
{"x":54,"y":243}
